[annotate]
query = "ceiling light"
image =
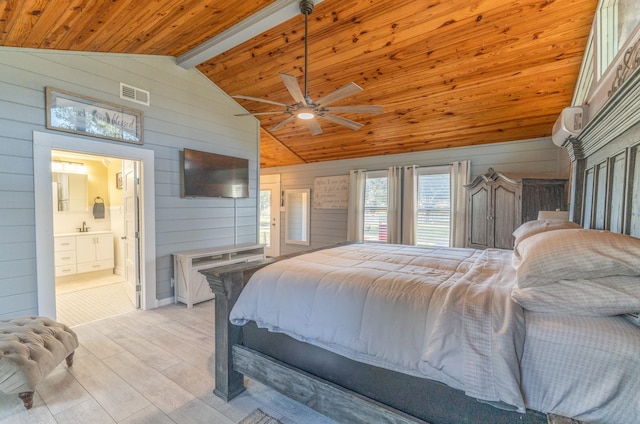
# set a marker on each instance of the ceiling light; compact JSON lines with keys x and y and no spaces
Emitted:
{"x":306,"y":114}
{"x":68,"y":167}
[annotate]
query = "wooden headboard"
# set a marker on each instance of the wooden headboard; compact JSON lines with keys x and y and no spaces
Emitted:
{"x":605,"y":174}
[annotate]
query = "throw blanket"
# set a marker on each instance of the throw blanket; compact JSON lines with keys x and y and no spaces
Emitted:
{"x":444,"y":314}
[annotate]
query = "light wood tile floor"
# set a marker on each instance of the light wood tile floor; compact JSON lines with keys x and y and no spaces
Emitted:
{"x":147,"y":367}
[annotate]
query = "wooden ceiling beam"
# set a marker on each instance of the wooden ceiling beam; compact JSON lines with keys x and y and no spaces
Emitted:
{"x":266,"y":18}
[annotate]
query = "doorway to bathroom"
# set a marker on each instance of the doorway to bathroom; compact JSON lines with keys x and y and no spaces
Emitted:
{"x":94,"y":200}
{"x":132,"y":236}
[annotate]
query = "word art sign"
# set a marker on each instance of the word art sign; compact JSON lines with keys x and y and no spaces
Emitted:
{"x":83,"y":115}
{"x":331,"y":192}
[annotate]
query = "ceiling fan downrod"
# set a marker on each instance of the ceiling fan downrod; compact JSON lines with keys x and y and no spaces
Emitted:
{"x":306,"y":7}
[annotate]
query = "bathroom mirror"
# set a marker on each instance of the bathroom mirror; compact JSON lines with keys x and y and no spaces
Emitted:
{"x":297,"y":216}
{"x":69,"y":192}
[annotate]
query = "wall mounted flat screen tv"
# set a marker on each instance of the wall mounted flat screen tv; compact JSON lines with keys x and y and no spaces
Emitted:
{"x":212,"y":175}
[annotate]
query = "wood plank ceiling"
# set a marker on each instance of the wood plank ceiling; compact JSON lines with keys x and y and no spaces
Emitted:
{"x":448,"y":73}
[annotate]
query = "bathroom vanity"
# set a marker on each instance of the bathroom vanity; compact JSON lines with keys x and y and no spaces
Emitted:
{"x":76,"y":253}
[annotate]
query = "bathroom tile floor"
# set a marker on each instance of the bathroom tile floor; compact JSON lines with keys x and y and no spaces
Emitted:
{"x":86,"y":298}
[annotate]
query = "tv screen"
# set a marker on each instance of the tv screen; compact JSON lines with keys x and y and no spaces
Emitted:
{"x":212,"y":175}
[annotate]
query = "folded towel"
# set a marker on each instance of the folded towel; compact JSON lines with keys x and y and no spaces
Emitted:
{"x":98,"y":208}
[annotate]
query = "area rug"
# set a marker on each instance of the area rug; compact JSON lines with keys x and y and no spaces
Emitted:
{"x":259,"y":417}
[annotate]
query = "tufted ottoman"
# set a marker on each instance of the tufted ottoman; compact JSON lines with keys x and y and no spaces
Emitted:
{"x":30,"y":348}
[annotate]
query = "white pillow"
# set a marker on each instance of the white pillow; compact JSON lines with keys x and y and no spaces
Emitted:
{"x":598,"y":297}
{"x":531,"y":228}
{"x":574,"y":254}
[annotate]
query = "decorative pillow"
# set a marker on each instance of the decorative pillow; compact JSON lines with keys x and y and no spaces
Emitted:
{"x":531,"y":228}
{"x":597,"y":297}
{"x":576,"y":254}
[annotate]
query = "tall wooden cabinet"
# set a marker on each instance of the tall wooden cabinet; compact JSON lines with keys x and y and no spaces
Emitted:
{"x":499,"y":204}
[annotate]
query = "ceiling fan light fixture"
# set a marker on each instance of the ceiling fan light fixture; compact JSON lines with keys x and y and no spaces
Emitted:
{"x":306,"y":114}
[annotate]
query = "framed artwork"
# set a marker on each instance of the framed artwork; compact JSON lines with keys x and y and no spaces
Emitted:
{"x":77,"y":114}
{"x":119,"y":180}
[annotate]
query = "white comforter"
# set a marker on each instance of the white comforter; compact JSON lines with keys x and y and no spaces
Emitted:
{"x":444,"y":314}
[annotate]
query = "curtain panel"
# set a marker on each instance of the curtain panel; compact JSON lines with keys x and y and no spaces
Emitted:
{"x":394,"y":205}
{"x":459,"y":176}
{"x":410,"y":203}
{"x":355,"y":208}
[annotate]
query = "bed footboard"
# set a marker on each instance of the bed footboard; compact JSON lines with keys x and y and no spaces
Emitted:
{"x":227,"y":283}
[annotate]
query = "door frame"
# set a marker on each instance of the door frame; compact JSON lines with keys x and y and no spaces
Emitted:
{"x":272,"y":181}
{"x":43,"y":144}
{"x":134,"y":291}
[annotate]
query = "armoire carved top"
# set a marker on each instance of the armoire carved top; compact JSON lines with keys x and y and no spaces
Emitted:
{"x":490,"y":177}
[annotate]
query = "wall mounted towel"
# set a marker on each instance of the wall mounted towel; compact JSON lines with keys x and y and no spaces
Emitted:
{"x":98,"y":208}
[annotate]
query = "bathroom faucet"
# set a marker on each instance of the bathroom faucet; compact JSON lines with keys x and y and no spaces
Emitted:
{"x":84,"y":227}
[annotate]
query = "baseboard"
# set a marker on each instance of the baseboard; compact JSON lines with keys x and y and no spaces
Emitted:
{"x":166,"y":301}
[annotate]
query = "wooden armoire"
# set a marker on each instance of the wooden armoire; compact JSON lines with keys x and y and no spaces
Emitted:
{"x":499,"y":204}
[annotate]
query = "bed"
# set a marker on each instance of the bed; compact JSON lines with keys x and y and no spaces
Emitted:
{"x":534,"y":335}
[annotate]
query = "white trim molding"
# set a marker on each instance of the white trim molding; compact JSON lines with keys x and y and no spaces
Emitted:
{"x":43,"y":143}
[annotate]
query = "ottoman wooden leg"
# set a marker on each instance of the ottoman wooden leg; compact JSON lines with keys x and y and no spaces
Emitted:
{"x":27,"y":398}
{"x":70,"y":359}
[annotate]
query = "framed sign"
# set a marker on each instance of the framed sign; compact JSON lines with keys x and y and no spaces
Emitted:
{"x":331,"y":192}
{"x":119,"y":180}
{"x":77,"y":114}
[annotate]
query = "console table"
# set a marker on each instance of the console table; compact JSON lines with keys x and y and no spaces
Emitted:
{"x":190,"y":285}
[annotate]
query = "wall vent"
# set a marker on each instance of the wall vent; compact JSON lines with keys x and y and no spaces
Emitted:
{"x":134,"y":94}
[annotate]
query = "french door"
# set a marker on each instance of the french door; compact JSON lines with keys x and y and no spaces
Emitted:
{"x":269,"y":231}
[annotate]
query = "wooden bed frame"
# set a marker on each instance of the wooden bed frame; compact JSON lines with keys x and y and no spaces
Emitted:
{"x":605,"y":193}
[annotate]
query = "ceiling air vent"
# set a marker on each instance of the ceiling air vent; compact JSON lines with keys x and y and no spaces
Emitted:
{"x":134,"y":94}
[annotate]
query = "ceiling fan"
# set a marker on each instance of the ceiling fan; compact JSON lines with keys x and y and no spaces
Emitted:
{"x":307,"y":109}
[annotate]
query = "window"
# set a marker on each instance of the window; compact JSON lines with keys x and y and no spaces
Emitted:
{"x":615,"y":21}
{"x":297,"y":216}
{"x":423,"y":216}
{"x":376,"y":205}
{"x":264,"y":234}
{"x":616,"y":27}
{"x":434,"y":206}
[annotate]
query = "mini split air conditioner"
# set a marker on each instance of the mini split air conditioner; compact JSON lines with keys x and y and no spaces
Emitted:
{"x":569,"y":124}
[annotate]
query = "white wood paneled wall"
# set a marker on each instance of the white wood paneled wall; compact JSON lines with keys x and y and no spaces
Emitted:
{"x":186,"y":111}
{"x":530,"y":158}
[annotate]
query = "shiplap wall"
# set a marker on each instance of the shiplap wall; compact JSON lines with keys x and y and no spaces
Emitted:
{"x":186,"y":111}
{"x":530,"y":158}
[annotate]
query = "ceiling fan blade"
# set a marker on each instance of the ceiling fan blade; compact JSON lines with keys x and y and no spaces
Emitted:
{"x":342,"y":121}
{"x":258,"y":99}
{"x":354,"y":109}
{"x":282,"y":123}
{"x":314,"y":126}
{"x":261,"y":113}
{"x":340,"y":93}
{"x":293,"y":88}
